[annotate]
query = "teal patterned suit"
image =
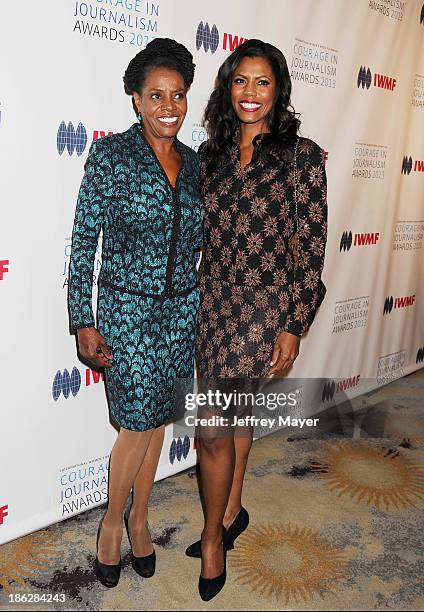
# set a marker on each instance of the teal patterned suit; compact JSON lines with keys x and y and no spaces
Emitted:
{"x":148,"y":297}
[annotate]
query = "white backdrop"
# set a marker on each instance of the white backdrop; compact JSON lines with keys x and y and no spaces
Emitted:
{"x":358,"y":81}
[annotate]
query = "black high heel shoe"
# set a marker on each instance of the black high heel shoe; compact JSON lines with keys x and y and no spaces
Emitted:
{"x":107,"y":574}
{"x":144,"y":566}
{"x":209,"y":587}
{"x":237,"y":527}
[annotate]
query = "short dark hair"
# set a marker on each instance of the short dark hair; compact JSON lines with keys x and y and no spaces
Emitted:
{"x":222,"y":122}
{"x":163,"y":52}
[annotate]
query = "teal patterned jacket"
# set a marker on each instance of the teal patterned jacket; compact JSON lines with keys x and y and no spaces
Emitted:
{"x":150,"y":230}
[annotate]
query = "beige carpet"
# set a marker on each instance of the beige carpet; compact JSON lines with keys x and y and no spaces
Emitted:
{"x":337,"y":523}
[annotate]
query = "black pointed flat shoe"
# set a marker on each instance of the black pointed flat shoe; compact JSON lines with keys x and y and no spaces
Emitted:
{"x":210,"y":587}
{"x":108,"y":575}
{"x":144,"y":566}
{"x":237,"y":527}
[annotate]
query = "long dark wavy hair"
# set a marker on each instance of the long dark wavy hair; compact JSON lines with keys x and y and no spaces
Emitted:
{"x":221,"y":121}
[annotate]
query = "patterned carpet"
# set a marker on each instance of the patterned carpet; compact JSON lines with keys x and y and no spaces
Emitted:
{"x":336,"y":523}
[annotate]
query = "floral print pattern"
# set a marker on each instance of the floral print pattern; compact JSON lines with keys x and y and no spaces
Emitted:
{"x":250,"y":289}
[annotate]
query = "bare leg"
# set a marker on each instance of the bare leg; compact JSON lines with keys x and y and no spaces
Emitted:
{"x":243,"y":439}
{"x":127,"y":456}
{"x":142,"y":487}
{"x":217,"y":461}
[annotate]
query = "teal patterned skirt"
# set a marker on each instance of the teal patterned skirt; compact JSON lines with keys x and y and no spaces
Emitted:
{"x":152,"y":341}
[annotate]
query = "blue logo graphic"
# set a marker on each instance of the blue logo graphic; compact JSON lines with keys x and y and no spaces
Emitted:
{"x":70,"y":138}
{"x":207,"y":37}
{"x":406,"y":165}
{"x":328,"y":391}
{"x":66,"y":383}
{"x":364,"y":77}
{"x":388,"y":305}
{"x":346,"y":241}
{"x":179,"y":449}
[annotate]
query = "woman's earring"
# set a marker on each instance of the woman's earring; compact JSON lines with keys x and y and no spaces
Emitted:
{"x":139,"y":118}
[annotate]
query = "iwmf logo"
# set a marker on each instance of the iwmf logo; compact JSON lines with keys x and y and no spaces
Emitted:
{"x":397,"y":302}
{"x":179,"y":449}
{"x":366,"y":79}
{"x":73,"y":139}
{"x":70,"y":138}
{"x":408,"y":164}
{"x":330,"y":388}
{"x":3,"y":513}
{"x":4,"y":263}
{"x":362,"y":239}
{"x":70,"y":383}
{"x":208,"y":38}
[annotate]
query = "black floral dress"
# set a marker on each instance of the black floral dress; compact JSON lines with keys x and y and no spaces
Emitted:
{"x":250,"y":290}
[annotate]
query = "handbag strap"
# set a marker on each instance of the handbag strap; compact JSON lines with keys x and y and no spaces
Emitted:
{"x":295,"y":182}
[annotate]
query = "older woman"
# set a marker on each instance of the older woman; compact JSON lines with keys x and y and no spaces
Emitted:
{"x":140,"y":188}
{"x":262,"y":184}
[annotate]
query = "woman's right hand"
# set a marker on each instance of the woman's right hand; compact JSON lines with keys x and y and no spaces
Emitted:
{"x":93,"y":347}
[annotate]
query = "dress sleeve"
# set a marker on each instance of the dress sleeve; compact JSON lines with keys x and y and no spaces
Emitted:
{"x":88,"y":221}
{"x":312,"y":233}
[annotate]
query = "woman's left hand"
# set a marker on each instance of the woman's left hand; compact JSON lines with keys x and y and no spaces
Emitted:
{"x":286,"y":349}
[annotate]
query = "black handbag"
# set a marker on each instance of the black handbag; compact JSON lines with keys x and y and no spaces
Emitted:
{"x":294,"y":241}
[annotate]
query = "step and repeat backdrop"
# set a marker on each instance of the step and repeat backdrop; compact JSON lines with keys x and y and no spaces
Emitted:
{"x":357,"y":68}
